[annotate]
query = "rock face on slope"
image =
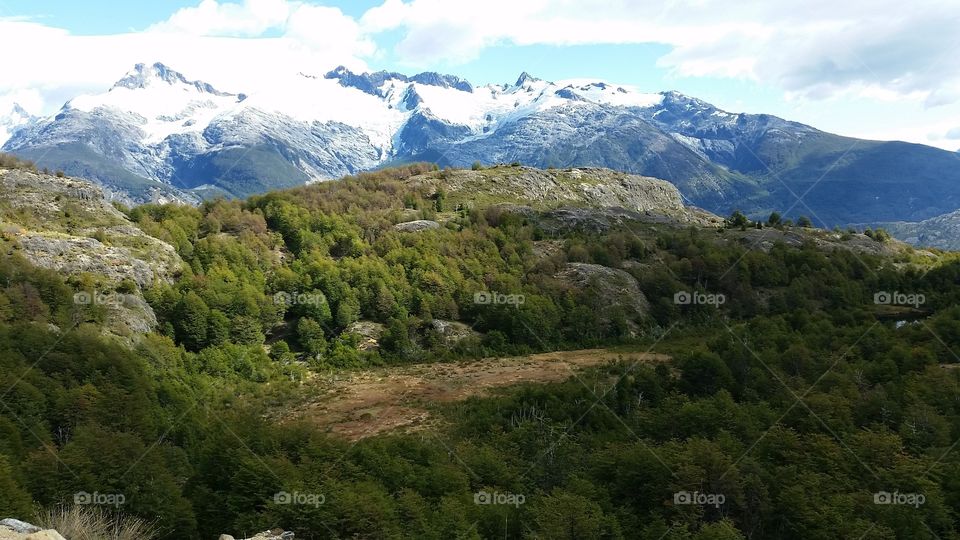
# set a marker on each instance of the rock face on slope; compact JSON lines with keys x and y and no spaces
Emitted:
{"x":614,"y":287}
{"x":566,"y":193}
{"x":416,"y":225}
{"x":69,"y":226}
{"x":941,"y":232}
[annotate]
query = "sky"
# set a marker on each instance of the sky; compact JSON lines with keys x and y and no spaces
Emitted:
{"x":877,"y":69}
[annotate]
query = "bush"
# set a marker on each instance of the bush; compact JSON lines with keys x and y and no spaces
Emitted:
{"x":476,"y":166}
{"x":881,"y":235}
{"x":738,"y":219}
{"x":10,"y":161}
{"x":84,"y":523}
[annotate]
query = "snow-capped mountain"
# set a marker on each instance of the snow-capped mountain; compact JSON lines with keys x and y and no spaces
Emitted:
{"x":158,"y":134}
{"x":13,"y":119}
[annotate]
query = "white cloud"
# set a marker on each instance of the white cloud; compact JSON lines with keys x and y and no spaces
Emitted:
{"x":809,"y":48}
{"x":953,"y":134}
{"x":211,"y":18}
{"x":215,"y":42}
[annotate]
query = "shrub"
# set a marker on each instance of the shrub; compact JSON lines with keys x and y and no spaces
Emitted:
{"x":10,"y":161}
{"x":84,"y":523}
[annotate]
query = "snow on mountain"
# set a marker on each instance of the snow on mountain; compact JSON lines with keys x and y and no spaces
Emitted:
{"x":13,"y":119}
{"x":163,"y":127}
{"x":166,"y":102}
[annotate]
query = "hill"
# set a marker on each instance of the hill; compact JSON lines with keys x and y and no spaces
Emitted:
{"x":428,"y":353}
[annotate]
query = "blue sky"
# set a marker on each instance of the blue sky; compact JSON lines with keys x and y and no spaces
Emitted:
{"x":875,"y":69}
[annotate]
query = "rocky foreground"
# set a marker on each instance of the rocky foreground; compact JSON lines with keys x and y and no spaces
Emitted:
{"x":14,"y":529}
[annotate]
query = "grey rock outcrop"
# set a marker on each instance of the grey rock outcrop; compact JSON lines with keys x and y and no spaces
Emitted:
{"x":576,"y":192}
{"x":614,"y":287}
{"x":417,"y":225}
{"x":14,"y":529}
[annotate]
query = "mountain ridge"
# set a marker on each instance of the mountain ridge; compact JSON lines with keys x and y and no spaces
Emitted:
{"x":187,"y":140}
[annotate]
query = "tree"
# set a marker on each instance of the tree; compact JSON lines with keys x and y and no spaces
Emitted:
{"x":218,"y":328}
{"x":774,"y":219}
{"x":14,"y":500}
{"x":563,"y":515}
{"x":804,"y":221}
{"x":279,"y":350}
{"x":705,"y":373}
{"x":314,"y":306}
{"x":881,"y":235}
{"x":396,"y":338}
{"x":738,"y":219}
{"x":348,"y":310}
{"x":246,"y":331}
{"x":311,"y":336}
{"x":191,"y":323}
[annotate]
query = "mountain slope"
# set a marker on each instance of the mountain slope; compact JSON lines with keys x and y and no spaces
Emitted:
{"x":157,"y":134}
{"x":69,"y":226}
{"x":13,"y":119}
{"x":941,"y":231}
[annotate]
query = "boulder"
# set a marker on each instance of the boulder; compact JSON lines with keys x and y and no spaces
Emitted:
{"x":369,"y":332}
{"x":18,"y":526}
{"x":452,"y":332}
{"x":14,"y":529}
{"x":416,"y":225}
{"x":48,"y":534}
{"x":613,"y":287}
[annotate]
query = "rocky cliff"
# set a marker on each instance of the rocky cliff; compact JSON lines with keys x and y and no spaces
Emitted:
{"x":69,"y":226}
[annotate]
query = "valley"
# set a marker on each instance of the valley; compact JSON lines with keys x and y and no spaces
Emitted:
{"x":380,"y":355}
{"x":424,"y":270}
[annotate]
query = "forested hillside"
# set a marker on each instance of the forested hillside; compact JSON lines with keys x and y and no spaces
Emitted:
{"x":812,"y":392}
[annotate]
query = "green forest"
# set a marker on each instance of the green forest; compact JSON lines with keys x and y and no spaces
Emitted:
{"x":796,"y":407}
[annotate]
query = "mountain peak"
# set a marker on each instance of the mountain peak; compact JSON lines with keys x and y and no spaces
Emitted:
{"x":525,"y":78}
{"x":143,"y":76}
{"x":370,"y":82}
{"x":16,"y":109}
